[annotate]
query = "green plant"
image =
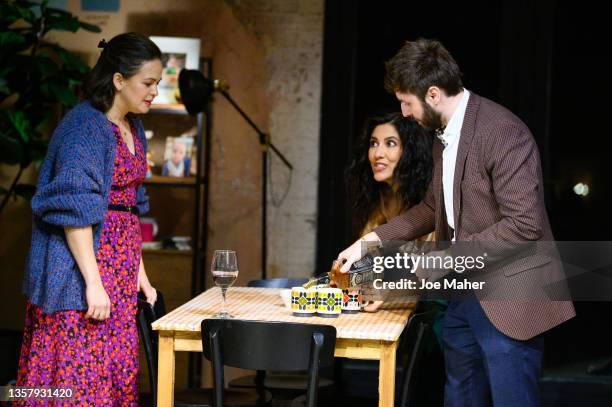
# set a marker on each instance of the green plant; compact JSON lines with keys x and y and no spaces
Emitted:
{"x":35,"y":78}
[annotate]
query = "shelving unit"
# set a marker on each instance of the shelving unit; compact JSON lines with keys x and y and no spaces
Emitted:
{"x":180,"y":207}
{"x":171,"y":181}
{"x":197,"y":194}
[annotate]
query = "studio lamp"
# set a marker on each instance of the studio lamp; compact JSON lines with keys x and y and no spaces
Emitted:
{"x":196,"y":92}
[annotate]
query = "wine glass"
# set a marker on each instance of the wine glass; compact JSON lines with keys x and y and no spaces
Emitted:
{"x":224,"y":269}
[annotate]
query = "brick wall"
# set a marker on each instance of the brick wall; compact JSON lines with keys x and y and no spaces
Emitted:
{"x":292,"y":35}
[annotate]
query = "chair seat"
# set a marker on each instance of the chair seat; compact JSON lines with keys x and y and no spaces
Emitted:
{"x":283,"y":386}
{"x":326,"y":398}
{"x":292,"y":382}
{"x":279,"y":381}
{"x":233,"y":398}
{"x":299,"y":401}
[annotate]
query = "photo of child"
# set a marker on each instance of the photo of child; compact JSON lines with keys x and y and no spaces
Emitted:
{"x":177,"y":161}
{"x":178,"y":53}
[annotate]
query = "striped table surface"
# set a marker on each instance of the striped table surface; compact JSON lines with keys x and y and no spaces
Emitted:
{"x":266,"y":304}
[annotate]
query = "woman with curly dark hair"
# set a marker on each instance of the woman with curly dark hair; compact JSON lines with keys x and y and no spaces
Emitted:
{"x":390,"y":171}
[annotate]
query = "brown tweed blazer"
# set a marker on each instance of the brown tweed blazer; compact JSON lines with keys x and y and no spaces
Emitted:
{"x":497,"y":197}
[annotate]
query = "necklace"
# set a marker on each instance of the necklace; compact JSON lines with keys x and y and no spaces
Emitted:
{"x":121,"y":125}
{"x":123,"y":129}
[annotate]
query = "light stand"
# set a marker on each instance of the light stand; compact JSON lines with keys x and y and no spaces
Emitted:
{"x":196,"y":92}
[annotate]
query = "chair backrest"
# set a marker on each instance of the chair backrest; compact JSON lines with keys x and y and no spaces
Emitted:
{"x":277,"y":282}
{"x":260,"y":345}
{"x":144,"y":318}
{"x":418,"y":331}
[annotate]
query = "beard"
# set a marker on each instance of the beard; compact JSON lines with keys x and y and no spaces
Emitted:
{"x":431,"y":120}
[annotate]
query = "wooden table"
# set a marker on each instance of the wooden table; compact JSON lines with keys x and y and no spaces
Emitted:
{"x":372,"y":336}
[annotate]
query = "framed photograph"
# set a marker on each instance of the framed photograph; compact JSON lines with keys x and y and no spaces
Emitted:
{"x":179,"y":157}
{"x":177,"y":53}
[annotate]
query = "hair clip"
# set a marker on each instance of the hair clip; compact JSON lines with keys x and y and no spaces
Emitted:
{"x":102,"y":44}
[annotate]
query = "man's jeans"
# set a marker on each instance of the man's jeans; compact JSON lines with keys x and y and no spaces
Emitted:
{"x":484,"y":367}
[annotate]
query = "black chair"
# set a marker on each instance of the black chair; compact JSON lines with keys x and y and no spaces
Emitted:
{"x":150,"y":341}
{"x":191,"y":397}
{"x":277,"y":282}
{"x":412,"y":348}
{"x":282,"y":385}
{"x":260,"y":345}
{"x":359,"y":378}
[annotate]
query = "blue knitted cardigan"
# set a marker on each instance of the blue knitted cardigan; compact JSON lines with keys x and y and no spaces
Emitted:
{"x":73,"y":190}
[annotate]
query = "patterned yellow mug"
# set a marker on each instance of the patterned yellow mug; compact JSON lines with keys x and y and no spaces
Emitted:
{"x":303,"y":301}
{"x":329,"y":302}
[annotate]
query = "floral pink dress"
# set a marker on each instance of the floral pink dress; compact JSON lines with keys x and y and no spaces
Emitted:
{"x":97,"y":359}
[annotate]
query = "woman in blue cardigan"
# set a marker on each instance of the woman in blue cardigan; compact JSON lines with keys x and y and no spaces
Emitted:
{"x":85,"y":269}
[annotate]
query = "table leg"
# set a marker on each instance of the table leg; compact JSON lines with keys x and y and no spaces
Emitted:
{"x":165,"y":370}
{"x":386,"y":375}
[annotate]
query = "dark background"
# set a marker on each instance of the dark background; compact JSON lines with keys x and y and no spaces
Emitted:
{"x":544,"y":60}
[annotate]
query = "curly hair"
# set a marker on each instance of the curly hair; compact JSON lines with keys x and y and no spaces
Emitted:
{"x":412,"y":173}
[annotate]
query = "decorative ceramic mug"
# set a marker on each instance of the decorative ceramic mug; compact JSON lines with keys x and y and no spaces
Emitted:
{"x":351,"y":300}
{"x":329,"y":302}
{"x":303,"y":301}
